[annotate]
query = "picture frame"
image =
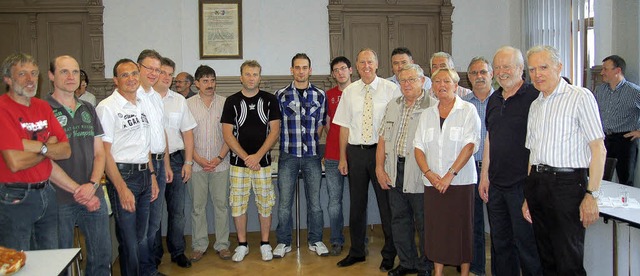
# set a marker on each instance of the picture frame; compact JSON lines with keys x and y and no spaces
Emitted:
{"x":220,"y":25}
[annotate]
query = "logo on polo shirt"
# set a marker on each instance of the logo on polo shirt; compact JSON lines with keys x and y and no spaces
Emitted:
{"x":63,"y":120}
{"x":86,"y":117}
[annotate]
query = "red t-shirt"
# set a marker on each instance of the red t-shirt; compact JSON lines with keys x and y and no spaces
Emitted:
{"x":332,"y":149}
{"x":35,"y":122}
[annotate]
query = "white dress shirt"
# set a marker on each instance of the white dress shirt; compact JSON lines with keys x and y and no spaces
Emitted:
{"x":156,"y":119}
{"x":177,"y":119}
{"x":126,"y":127}
{"x":442,"y":146}
{"x":349,"y":111}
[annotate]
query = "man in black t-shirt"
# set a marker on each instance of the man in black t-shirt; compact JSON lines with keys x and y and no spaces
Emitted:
{"x":251,"y":125}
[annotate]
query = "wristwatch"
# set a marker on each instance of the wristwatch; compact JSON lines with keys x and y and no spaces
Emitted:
{"x":44,"y":149}
{"x":452,"y":171}
{"x":594,"y":194}
{"x":188,"y":162}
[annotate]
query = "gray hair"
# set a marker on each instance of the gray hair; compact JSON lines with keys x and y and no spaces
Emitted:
{"x":480,"y":59}
{"x":413,"y":67}
{"x":444,"y":55}
{"x":518,"y":54}
{"x":552,"y":51}
{"x":450,"y":71}
{"x":15,"y":59}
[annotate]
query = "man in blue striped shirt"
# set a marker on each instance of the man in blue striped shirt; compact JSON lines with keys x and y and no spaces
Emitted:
{"x":303,"y":107}
{"x":480,"y":75}
{"x":619,"y":106}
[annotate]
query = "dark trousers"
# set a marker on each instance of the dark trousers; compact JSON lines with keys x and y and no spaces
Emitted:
{"x":407,"y":218}
{"x":174,"y":195}
{"x":478,"y":262}
{"x":554,"y":201}
{"x":513,"y":245}
{"x":361,"y":163}
{"x":621,"y":148}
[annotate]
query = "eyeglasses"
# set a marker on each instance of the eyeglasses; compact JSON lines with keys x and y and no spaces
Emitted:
{"x":207,"y":81}
{"x":165,"y":73}
{"x":411,"y":80}
{"x":343,"y":68}
{"x":157,"y":70}
{"x":127,"y":75}
{"x":482,"y":72}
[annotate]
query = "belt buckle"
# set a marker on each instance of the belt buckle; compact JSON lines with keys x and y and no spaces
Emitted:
{"x":159,"y":156}
{"x":539,"y":168}
{"x":143,"y":166}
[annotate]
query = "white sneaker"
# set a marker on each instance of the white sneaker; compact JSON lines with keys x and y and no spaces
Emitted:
{"x":241,"y":251}
{"x":281,"y":250}
{"x":265,"y":250}
{"x":319,"y":248}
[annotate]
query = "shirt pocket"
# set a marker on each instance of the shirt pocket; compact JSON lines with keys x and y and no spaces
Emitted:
{"x":455,"y":134}
{"x":174,"y":120}
{"x":428,"y":135}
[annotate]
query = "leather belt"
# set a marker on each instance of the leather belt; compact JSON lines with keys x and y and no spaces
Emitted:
{"x":28,"y":186}
{"x":401,"y":159}
{"x":157,"y":156}
{"x":132,"y":167}
{"x":365,"y":146}
{"x":175,"y":153}
{"x":549,"y":169}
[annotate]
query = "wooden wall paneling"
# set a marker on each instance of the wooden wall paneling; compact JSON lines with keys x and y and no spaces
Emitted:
{"x":418,"y":33}
{"x":369,"y":31}
{"x":14,"y":29}
{"x":59,"y":34}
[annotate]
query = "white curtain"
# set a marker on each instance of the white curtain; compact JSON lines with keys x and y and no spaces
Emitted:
{"x":559,"y":23}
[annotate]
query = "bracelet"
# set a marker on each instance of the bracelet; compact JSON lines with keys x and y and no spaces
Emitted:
{"x":452,"y":171}
{"x":153,"y":173}
{"x":425,"y":172}
{"x":188,"y":162}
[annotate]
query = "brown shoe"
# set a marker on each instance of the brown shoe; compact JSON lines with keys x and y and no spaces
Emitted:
{"x":197,"y":255}
{"x":224,"y":254}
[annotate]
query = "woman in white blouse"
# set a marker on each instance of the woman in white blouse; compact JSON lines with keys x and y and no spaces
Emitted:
{"x":447,"y":136}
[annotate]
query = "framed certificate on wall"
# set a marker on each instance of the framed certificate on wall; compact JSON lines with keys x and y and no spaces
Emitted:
{"x":220,"y":29}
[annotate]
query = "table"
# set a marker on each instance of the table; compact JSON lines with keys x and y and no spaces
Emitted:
{"x":49,"y":262}
{"x":625,"y":217}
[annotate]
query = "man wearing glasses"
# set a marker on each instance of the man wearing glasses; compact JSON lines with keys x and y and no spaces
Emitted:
{"x":149,"y":62}
{"x":183,"y":84}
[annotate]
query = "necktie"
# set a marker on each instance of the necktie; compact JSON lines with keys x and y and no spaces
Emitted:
{"x":367,"y":116}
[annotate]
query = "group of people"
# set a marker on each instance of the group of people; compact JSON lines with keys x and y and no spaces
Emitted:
{"x":433,"y":151}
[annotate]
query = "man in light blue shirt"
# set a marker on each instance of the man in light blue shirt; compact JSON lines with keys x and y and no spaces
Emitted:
{"x":400,"y":57}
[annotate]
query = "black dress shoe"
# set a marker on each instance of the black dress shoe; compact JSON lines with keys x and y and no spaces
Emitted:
{"x":348,"y":261}
{"x":401,"y":271}
{"x":182,"y":261}
{"x":386,"y":265}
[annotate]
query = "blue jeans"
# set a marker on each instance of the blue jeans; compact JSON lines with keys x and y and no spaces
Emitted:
{"x":27,"y":211}
{"x":288,"y":168}
{"x":155,"y":211}
{"x":94,"y":227}
{"x":478,"y":262}
{"x":335,"y":188}
{"x":131,"y":228}
{"x":174,"y":195}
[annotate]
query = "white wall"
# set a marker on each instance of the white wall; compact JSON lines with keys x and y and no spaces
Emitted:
{"x":275,"y":30}
{"x":480,"y":27}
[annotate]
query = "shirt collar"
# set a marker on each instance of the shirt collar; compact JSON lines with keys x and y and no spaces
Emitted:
{"x":121,"y":101}
{"x":373,"y":84}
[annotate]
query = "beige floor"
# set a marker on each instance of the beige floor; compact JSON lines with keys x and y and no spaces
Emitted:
{"x":298,"y":262}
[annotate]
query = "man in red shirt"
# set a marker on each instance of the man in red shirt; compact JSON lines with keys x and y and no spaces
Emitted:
{"x":341,"y":72}
{"x":31,"y":138}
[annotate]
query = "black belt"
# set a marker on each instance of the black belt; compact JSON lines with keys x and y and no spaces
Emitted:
{"x":479,"y":164}
{"x":28,"y":186}
{"x":614,"y":134}
{"x":133,"y":167}
{"x":365,"y":146}
{"x":175,"y":153}
{"x":401,"y":159}
{"x":157,"y":156}
{"x":549,"y":169}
